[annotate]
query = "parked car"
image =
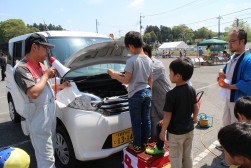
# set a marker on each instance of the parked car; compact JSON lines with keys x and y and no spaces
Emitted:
{"x":93,"y":119}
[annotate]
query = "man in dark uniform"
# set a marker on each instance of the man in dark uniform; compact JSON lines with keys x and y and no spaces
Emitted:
{"x":3,"y":65}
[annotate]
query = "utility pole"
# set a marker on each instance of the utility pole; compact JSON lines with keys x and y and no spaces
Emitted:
{"x":140,"y":22}
{"x":119,"y":33}
{"x":96,"y":25}
{"x":237,"y":22}
{"x":219,"y":18}
{"x":45,"y":27}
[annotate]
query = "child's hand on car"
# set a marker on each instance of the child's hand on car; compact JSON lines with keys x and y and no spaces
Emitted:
{"x":65,"y":84}
{"x":112,"y":73}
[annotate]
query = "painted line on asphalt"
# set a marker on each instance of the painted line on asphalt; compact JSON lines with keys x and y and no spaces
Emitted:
{"x":4,"y":113}
{"x":19,"y":143}
{"x":2,"y":97}
{"x":207,"y":86}
{"x":203,"y":154}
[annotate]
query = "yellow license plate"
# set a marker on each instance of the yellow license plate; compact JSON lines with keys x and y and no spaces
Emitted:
{"x":121,"y":137}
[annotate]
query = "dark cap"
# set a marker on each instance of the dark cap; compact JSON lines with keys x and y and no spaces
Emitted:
{"x":38,"y":39}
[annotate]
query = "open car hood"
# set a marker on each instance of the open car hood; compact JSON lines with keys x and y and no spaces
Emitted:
{"x":107,"y":52}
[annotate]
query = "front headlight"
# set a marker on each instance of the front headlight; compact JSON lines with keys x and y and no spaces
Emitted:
{"x":87,"y":102}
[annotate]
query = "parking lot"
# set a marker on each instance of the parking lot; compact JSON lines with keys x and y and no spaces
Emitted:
{"x":205,"y":139}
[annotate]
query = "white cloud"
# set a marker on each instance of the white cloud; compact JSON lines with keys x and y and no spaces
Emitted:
{"x":136,"y":4}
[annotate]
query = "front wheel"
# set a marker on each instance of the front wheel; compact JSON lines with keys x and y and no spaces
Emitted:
{"x":64,"y":151}
{"x":14,"y":116}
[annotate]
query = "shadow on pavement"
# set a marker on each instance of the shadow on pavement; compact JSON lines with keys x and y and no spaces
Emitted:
{"x":216,"y":163}
{"x":114,"y":160}
{"x":12,"y":135}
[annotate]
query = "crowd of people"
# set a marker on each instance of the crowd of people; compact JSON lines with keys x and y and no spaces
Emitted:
{"x":156,"y":110}
{"x":176,"y":113}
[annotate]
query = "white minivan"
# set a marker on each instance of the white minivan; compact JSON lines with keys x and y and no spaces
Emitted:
{"x":93,"y":119}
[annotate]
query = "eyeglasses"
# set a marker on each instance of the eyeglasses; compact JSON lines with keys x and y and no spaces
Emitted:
{"x":232,"y":41}
{"x":45,"y":47}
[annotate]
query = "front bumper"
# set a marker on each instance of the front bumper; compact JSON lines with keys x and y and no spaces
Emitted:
{"x":89,"y":131}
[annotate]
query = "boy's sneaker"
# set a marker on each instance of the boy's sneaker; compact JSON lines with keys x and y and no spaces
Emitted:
{"x":130,"y":144}
{"x":136,"y":149}
{"x":144,"y":146}
{"x":155,"y":151}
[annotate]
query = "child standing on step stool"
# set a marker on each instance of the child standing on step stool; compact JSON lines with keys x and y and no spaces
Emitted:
{"x":180,"y":113}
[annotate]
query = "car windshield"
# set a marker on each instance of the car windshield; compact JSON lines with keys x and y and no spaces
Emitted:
{"x":67,"y":46}
{"x":94,"y":70}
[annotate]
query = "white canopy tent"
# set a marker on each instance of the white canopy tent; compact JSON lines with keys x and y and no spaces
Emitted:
{"x":173,"y":45}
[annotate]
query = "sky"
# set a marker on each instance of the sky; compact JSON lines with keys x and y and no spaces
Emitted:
{"x":120,"y":16}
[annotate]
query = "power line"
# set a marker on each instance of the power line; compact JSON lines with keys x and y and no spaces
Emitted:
{"x":216,"y":16}
{"x":201,"y":21}
{"x":228,"y":22}
{"x":236,"y":12}
{"x":240,"y":15}
{"x":230,"y":19}
{"x":182,"y":6}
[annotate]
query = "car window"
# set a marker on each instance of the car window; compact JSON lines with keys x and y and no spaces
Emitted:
{"x":17,"y":52}
{"x":67,"y":46}
{"x":95,"y":70}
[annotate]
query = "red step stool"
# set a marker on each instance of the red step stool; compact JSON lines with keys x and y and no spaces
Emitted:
{"x":144,"y":160}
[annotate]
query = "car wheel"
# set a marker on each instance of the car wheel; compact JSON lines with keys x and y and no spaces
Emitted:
{"x":64,"y":151}
{"x":14,"y":116}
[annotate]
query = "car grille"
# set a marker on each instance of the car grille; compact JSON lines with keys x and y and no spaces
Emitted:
{"x":114,"y":105}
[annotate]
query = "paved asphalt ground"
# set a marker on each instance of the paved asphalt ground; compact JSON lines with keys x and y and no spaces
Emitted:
{"x":204,"y":152}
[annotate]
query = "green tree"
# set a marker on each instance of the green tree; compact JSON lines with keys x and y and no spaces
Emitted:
{"x":150,"y":38}
{"x":241,"y":24}
{"x":188,"y":36}
{"x":122,"y":38}
{"x":153,"y":37}
{"x":44,"y":27}
{"x":204,"y":33}
{"x":12,"y":28}
{"x":177,"y":33}
{"x":182,"y":33}
{"x":32,"y":29}
{"x":147,"y":38}
{"x":166,"y":34}
{"x":154,"y":29}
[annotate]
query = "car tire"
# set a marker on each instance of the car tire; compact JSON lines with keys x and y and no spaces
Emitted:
{"x":14,"y":116}
{"x":64,"y":152}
